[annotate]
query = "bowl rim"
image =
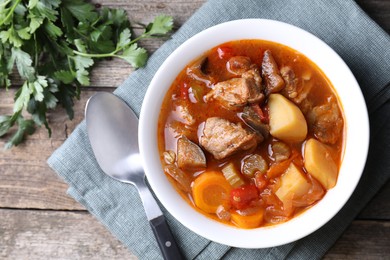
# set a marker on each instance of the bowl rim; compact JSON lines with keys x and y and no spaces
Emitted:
{"x":355,"y":112}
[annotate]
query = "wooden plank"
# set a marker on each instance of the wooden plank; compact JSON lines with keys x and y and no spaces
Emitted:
{"x":26,"y":179}
{"x":141,"y":11}
{"x":31,"y":234}
{"x":363,"y":240}
{"x":35,"y":235}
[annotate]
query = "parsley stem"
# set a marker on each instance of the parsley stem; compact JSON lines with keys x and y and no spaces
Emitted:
{"x":69,"y":64}
{"x":144,"y":35}
{"x":95,"y":55}
{"x":111,"y":54}
{"x":10,"y":13}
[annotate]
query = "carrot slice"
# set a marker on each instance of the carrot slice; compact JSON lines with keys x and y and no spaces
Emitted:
{"x":248,"y":221}
{"x":210,"y":190}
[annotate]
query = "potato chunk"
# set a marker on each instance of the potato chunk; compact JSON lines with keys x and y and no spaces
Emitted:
{"x":286,"y":120}
{"x":293,"y":184}
{"x":319,"y":163}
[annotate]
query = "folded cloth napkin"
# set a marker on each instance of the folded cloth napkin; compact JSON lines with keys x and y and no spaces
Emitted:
{"x":363,"y":45}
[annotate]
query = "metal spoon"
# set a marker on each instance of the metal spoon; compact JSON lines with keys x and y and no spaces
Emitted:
{"x":113,"y":132}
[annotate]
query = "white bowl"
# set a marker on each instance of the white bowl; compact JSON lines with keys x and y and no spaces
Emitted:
{"x":356,"y":123}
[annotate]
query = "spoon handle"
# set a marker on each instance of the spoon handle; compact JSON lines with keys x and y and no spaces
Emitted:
{"x":163,"y":234}
{"x":165,"y":239}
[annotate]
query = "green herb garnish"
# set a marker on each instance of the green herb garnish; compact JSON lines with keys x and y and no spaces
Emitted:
{"x":53,"y":44}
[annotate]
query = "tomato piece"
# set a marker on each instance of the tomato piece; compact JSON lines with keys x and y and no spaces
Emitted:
{"x":225,"y":52}
{"x":242,"y":196}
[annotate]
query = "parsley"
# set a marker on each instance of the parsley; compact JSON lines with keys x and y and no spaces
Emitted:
{"x":53,"y":44}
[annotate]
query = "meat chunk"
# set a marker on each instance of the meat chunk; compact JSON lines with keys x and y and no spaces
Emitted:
{"x":183,"y":115}
{"x":253,"y":74}
{"x":238,"y":92}
{"x":237,"y":65}
{"x":291,"y":82}
{"x":270,"y":71}
{"x":189,"y":155}
{"x":296,"y":89}
{"x":326,"y":122}
{"x":252,"y":119}
{"x":243,"y":66}
{"x":223,"y":138}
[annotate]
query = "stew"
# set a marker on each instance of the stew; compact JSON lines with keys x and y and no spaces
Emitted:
{"x":251,"y":134}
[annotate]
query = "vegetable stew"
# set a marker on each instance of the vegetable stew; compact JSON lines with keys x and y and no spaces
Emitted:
{"x":251,"y":133}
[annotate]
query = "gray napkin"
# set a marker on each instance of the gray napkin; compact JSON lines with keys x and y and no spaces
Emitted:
{"x":363,"y":45}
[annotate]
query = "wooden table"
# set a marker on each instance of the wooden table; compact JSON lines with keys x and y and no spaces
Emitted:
{"x":39,"y":221}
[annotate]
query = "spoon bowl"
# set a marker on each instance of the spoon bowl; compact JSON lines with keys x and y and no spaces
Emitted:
{"x":106,"y":114}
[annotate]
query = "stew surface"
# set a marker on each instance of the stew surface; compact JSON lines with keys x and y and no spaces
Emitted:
{"x":251,"y":133}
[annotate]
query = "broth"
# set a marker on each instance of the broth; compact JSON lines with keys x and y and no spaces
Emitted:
{"x":236,"y":164}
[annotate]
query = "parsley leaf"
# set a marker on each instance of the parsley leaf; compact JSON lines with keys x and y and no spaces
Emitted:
{"x":82,"y":77}
{"x":12,"y":37}
{"x":24,"y":127}
{"x":82,"y":62}
{"x":80,"y":10}
{"x":22,"y":97}
{"x":161,"y":25}
{"x":23,"y":63}
{"x":134,"y":55}
{"x":53,"y":44}
{"x":37,"y":88}
{"x":65,"y":76}
{"x":124,"y":39}
{"x":5,"y":124}
{"x":7,"y":61}
{"x":127,"y":49}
